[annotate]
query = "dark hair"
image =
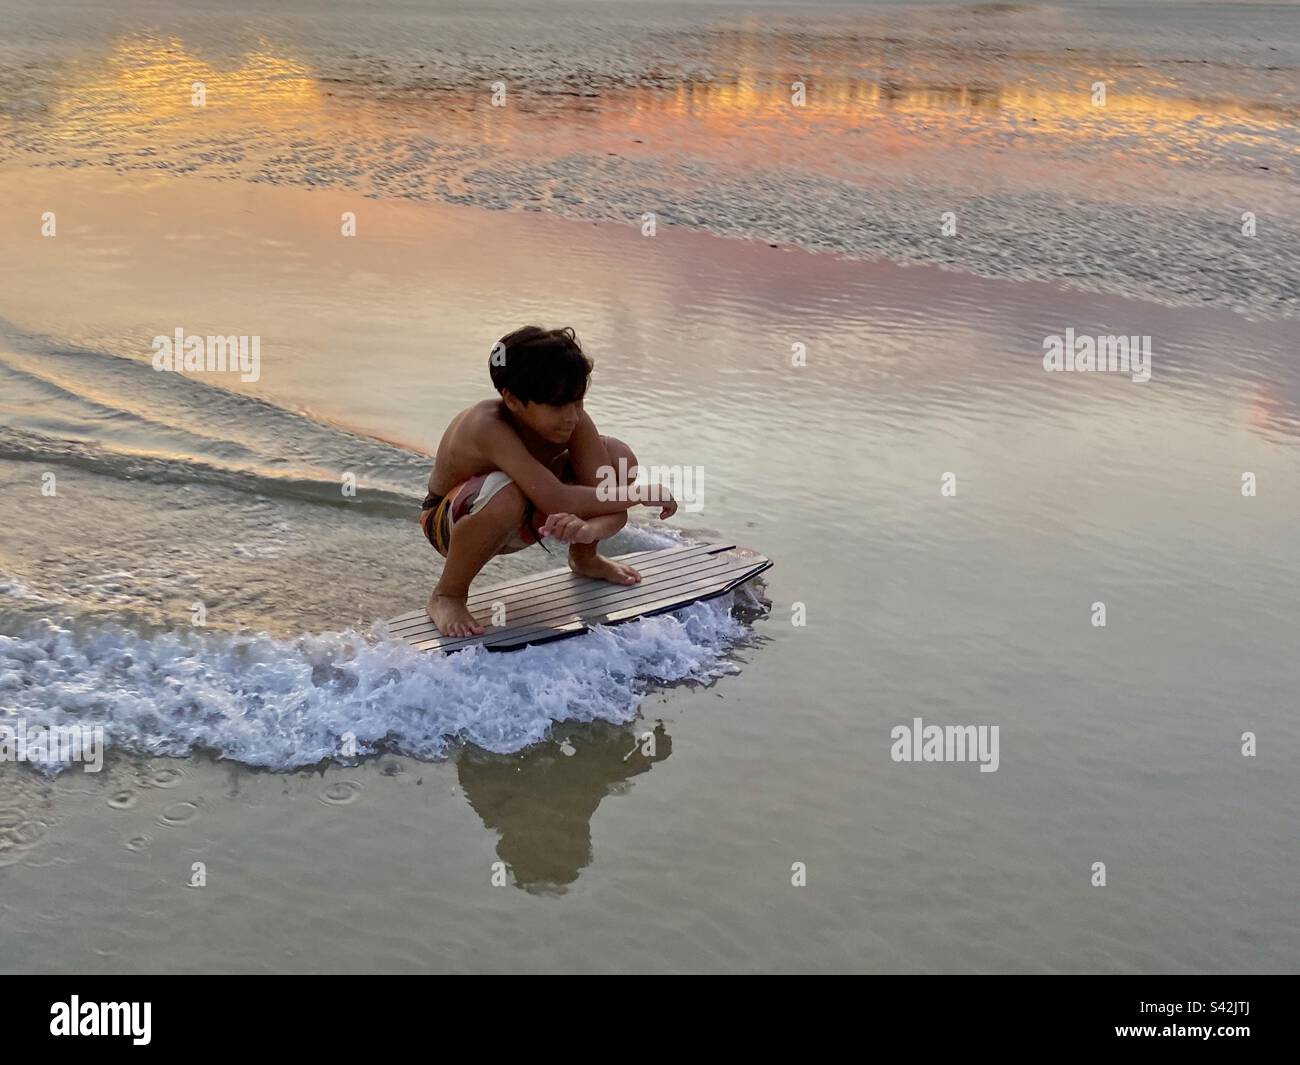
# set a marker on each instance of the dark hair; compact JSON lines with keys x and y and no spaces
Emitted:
{"x":540,"y":365}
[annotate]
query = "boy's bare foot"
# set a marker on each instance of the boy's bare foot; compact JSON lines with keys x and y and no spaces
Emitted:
{"x":452,"y":616}
{"x":590,"y":564}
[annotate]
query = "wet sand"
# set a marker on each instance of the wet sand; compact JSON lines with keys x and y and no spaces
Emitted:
{"x":907,"y":111}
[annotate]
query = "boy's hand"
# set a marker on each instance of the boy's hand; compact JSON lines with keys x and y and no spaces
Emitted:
{"x":667,"y":501}
{"x":569,"y":528}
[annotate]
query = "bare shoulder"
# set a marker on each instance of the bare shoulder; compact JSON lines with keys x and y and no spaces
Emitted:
{"x":462,"y":451}
{"x":472,"y":422}
{"x":483,"y":422}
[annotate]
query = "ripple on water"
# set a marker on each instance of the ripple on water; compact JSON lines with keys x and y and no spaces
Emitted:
{"x":341,"y":793}
{"x":122,"y":800}
{"x":19,"y":835}
{"x":179,"y":813}
{"x":163,"y":777}
{"x":21,"y":831}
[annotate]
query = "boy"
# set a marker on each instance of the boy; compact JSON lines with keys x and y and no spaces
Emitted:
{"x":513,"y":470}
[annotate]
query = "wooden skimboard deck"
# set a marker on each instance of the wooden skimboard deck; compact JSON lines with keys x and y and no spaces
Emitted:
{"x":556,"y":604}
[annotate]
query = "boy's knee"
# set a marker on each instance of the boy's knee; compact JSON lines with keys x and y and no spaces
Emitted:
{"x":499,"y":515}
{"x":622,"y":457}
{"x":506,"y":506}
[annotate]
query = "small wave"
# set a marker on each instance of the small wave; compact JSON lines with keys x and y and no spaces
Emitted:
{"x":24,"y":446}
{"x":137,"y":424}
{"x":283,"y":704}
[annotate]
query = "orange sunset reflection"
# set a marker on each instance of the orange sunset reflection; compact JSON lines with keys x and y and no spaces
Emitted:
{"x":145,"y":85}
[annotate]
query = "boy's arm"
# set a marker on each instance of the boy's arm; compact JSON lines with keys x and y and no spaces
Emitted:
{"x":587,"y":453}
{"x":587,"y":457}
{"x":503,"y":448}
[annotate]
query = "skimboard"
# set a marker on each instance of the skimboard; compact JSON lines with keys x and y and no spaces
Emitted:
{"x":559,"y":603}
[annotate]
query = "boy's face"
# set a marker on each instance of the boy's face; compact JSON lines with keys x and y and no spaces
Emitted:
{"x":555,"y":424}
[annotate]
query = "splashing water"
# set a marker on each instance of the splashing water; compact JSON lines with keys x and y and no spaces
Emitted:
{"x":287,"y":703}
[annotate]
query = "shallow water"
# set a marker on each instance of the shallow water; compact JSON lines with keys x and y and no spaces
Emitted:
{"x":614,"y":110}
{"x":770,"y":742}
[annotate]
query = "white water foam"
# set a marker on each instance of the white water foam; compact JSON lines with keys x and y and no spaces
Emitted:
{"x":287,"y":703}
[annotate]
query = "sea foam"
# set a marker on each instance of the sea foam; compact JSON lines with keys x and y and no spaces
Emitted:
{"x":287,"y":703}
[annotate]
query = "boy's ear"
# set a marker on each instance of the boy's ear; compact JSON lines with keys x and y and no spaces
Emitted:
{"x":512,"y":401}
